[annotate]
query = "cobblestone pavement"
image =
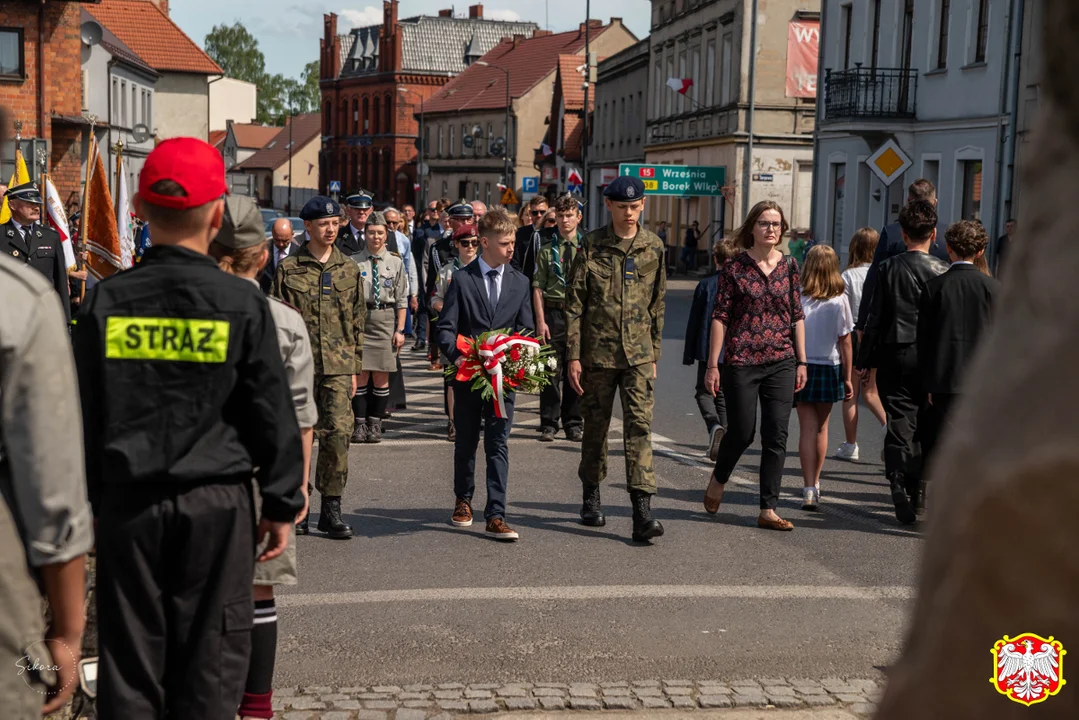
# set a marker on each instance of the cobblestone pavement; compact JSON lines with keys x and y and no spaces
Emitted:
{"x":449,"y":700}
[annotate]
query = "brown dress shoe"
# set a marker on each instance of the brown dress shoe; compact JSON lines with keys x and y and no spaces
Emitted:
{"x":499,"y":530}
{"x":462,"y":513}
{"x":713,"y":496}
{"x":777,"y":524}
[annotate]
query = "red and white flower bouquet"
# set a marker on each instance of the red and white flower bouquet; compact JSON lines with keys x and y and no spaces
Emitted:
{"x":498,"y":360}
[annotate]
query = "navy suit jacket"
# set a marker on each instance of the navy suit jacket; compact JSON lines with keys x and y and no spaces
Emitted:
{"x":891,"y":244}
{"x":268,"y":272}
{"x":467,"y":312}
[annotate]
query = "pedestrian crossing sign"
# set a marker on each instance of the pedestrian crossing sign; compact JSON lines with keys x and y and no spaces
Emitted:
{"x":889,"y":162}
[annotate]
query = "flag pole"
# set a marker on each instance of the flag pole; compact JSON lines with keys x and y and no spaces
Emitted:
{"x":118,"y":148}
{"x":90,"y":150}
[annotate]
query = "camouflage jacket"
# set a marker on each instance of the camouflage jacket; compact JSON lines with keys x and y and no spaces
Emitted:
{"x":333,"y":307}
{"x":614,"y":300}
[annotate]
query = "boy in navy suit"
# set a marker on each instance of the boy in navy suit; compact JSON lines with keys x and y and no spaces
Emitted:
{"x":955,"y":312}
{"x":487,"y":294}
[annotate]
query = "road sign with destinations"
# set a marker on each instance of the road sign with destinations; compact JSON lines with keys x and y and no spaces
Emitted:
{"x":678,"y":180}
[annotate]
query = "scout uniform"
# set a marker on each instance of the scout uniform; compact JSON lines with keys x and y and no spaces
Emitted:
{"x":385,"y":285}
{"x":329,"y":296}
{"x":614,"y":327}
{"x":37,"y":244}
{"x":553,"y":263}
{"x":184,"y":400}
{"x":45,"y":518}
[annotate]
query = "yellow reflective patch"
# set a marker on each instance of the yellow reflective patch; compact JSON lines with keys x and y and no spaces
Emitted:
{"x":175,"y":339}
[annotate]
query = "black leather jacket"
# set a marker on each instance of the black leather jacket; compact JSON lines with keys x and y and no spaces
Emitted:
{"x":893,"y":310}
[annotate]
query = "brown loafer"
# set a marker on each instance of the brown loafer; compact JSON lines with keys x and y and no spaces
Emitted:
{"x":713,"y":495}
{"x":779,"y":524}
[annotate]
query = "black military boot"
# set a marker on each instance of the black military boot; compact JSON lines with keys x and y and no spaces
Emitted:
{"x":359,"y":432}
{"x":374,"y":430}
{"x":904,"y":513}
{"x":591,"y":510}
{"x":644,"y":526}
{"x":330,"y":522}
{"x":918,"y":501}
{"x":302,"y":528}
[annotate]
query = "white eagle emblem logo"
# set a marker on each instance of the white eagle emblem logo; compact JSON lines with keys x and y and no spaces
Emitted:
{"x":329,"y":207}
{"x":1027,"y":675}
{"x":630,"y":192}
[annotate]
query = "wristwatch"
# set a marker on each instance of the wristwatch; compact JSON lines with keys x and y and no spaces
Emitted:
{"x":803,"y":364}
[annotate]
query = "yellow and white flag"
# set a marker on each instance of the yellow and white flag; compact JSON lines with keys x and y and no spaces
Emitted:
{"x":21,"y":176}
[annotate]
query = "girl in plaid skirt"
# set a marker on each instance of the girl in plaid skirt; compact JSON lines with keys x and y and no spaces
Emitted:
{"x":828,"y":324}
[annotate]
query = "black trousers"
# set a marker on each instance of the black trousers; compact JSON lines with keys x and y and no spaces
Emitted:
{"x":470,"y":411}
{"x":174,"y":571}
{"x":713,"y":409}
{"x":559,"y":399}
{"x":904,"y":404}
{"x":935,"y":422}
{"x":743,"y":386}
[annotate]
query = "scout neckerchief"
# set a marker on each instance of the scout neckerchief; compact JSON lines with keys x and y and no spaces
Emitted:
{"x":375,"y":278}
{"x":556,"y":259}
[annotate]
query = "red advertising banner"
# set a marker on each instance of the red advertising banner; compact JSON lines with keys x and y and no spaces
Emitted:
{"x":803,"y":49}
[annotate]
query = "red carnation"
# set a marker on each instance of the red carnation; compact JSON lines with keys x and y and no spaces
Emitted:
{"x":521,"y":374}
{"x":515,"y":354}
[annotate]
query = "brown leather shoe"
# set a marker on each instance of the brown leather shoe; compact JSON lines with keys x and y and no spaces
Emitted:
{"x":499,"y":530}
{"x":462,"y":513}
{"x":713,"y":495}
{"x":777,"y":524}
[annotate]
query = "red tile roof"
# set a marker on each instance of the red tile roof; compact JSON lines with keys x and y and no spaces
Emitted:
{"x":528,"y":60}
{"x":568,"y":90}
{"x":275,"y":153}
{"x":217,"y":137}
{"x":153,"y":36}
{"x":252,"y":136}
{"x":571,"y":80}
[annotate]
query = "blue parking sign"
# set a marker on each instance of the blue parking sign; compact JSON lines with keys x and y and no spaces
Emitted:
{"x":530,"y":184}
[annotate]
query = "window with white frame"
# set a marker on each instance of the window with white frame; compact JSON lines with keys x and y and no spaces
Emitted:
{"x":709,"y":73}
{"x":847,"y":17}
{"x":981,"y":31}
{"x":681,"y":74}
{"x":695,"y":73}
{"x":123,"y":104}
{"x":971,"y":173}
{"x":441,"y":140}
{"x":453,"y":139}
{"x":12,"y":53}
{"x":942,"y":33}
{"x":657,"y":84}
{"x":668,"y":106}
{"x":726,"y":61}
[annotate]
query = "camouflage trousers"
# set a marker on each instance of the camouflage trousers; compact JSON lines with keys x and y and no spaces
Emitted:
{"x":334,"y":428}
{"x":635,"y":387}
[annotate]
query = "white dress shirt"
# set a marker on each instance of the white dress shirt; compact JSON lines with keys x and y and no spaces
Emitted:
{"x":484,"y":269}
{"x":404,"y":245}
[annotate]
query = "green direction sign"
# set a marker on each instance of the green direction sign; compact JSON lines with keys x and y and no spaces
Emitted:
{"x":678,"y":180}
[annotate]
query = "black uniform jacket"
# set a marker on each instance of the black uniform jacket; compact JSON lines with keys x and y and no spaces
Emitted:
{"x":182,"y":382}
{"x":349,"y":243}
{"x":43,"y":251}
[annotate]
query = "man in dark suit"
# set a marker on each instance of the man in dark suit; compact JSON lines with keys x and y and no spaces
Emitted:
{"x":358,"y":206}
{"x":891,"y":244}
{"x":955,"y":312}
{"x":284,"y":245}
{"x":488,"y":294}
{"x":27,"y":239}
{"x":527,"y":241}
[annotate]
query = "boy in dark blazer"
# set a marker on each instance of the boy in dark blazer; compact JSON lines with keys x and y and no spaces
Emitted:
{"x":955,"y":310}
{"x":487,"y":294}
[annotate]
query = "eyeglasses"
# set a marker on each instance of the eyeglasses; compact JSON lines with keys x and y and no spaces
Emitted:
{"x":538,"y":212}
{"x":765,"y":225}
{"x":469,"y":243}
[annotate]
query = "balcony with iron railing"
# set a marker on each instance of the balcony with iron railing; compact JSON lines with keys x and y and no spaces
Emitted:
{"x":870,"y":94}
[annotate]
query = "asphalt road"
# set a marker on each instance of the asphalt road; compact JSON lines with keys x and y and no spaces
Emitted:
{"x":413,"y":600}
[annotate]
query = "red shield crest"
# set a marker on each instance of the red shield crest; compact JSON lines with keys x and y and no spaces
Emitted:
{"x":1028,"y":668}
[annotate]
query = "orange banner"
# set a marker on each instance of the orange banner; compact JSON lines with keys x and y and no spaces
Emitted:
{"x":803,"y":49}
{"x":102,"y":238}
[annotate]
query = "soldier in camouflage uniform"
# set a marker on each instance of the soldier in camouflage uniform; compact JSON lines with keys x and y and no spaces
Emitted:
{"x":614,"y":326}
{"x":325,"y":286}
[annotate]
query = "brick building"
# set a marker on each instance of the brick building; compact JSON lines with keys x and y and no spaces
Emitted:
{"x":372,"y":82}
{"x":41,"y":85}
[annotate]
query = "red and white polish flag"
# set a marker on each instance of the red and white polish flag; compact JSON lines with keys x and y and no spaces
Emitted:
{"x":680,"y":85}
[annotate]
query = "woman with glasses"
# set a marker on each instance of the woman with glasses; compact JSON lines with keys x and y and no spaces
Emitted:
{"x":467,"y":241}
{"x":759,"y":325}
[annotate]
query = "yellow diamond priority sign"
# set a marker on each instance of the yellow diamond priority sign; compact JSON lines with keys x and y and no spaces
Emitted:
{"x":889,"y":162}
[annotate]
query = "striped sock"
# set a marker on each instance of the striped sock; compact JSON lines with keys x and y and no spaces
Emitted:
{"x":378,"y":404}
{"x":263,"y":652}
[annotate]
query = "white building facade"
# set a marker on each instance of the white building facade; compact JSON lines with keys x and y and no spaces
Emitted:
{"x":938,"y":77}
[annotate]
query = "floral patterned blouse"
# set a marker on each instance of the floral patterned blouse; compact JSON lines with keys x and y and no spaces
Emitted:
{"x":759,"y":311}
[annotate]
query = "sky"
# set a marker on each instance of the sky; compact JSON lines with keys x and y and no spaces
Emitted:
{"x":288,"y":31}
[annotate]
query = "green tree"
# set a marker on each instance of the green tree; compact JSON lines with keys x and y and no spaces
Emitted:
{"x":237,"y":52}
{"x":312,"y":94}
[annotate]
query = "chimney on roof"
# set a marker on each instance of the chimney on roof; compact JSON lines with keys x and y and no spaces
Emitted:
{"x":475,"y":11}
{"x":446,"y":13}
{"x":616,"y":20}
{"x":542,"y":33}
{"x":518,"y":39}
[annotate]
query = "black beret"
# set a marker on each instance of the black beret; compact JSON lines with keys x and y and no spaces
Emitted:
{"x":624,"y":188}
{"x":320,"y":207}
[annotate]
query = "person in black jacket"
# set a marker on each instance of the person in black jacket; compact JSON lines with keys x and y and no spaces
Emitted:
{"x":28,"y":238}
{"x":954,"y":313}
{"x":890,"y":345}
{"x":892,"y":243}
{"x":184,"y":400}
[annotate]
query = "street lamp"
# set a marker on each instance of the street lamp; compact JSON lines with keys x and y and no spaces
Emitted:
{"x":506,"y":152}
{"x":421,"y":200}
{"x":291,"y":117}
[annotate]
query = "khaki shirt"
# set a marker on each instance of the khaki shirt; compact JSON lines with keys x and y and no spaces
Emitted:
{"x":391,"y":277}
{"x":546,"y":277}
{"x":334,"y":311}
{"x":295,"y":349}
{"x":442,"y":285}
{"x":615,"y":300}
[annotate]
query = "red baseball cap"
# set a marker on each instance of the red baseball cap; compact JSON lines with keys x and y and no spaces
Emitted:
{"x":189,"y":162}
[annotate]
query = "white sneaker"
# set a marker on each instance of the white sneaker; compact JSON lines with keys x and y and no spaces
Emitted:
{"x":810,"y":498}
{"x":714,"y":441}
{"x":847,"y":451}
